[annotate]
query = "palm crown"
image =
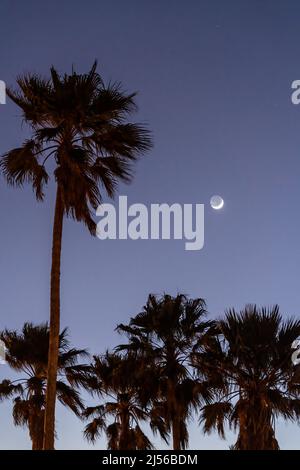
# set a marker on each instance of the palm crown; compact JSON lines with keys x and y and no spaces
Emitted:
{"x":164,"y":335}
{"x":120,"y":379}
{"x":27,"y":355}
{"x":79,"y":122}
{"x":249,"y":360}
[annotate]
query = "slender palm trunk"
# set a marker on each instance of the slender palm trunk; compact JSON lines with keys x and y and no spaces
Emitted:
{"x":176,"y":434}
{"x":49,"y":428}
{"x":36,"y":428}
{"x":175,"y":425}
{"x":124,"y":438}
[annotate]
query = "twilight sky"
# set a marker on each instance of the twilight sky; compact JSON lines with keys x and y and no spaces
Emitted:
{"x":214,"y":81}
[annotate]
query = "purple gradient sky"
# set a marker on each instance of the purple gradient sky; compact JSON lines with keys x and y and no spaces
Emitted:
{"x":214,"y":80}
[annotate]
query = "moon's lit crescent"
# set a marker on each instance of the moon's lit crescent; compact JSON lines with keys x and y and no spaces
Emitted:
{"x":217,"y":202}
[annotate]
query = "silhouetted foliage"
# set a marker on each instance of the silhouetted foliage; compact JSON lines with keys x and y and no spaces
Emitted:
{"x":118,"y":381}
{"x":164,"y":335}
{"x":27,"y":355}
{"x":249,"y":361}
{"x":82,"y":125}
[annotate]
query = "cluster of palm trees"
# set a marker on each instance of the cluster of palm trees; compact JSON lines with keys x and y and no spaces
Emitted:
{"x":175,"y":366}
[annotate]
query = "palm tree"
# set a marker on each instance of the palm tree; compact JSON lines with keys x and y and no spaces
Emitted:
{"x":82,"y":125}
{"x":27,"y":354}
{"x":249,"y":360}
{"x":164,"y":335}
{"x":118,"y":379}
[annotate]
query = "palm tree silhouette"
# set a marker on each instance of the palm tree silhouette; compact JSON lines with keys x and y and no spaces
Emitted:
{"x":27,"y":355}
{"x":82,"y":125}
{"x":118,"y":379}
{"x":249,"y":361}
{"x":164,"y":334}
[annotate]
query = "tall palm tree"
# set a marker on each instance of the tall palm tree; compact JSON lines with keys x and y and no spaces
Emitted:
{"x":118,"y":379}
{"x":27,"y":355}
{"x":249,"y":360}
{"x":81,"y":124}
{"x":164,"y":335}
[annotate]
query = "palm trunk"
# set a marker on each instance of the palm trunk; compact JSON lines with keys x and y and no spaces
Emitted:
{"x":36,"y":428}
{"x":176,"y":435}
{"x":49,"y":428}
{"x":124,"y":438}
{"x":173,"y":407}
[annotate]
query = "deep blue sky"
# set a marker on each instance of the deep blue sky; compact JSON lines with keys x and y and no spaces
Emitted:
{"x":214,"y":86}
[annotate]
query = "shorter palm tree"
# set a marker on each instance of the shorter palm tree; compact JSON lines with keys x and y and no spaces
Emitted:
{"x":163,"y":337}
{"x":249,"y":361}
{"x":27,"y":354}
{"x":118,"y":379}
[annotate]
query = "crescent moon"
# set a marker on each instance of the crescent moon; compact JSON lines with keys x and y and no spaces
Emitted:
{"x":219,"y":206}
{"x":217,"y":202}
